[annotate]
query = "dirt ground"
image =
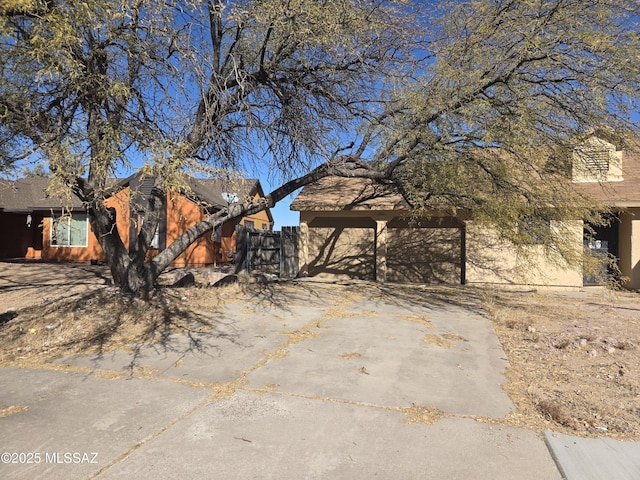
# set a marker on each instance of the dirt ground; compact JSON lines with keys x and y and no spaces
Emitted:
{"x":575,"y":359}
{"x":574,"y":356}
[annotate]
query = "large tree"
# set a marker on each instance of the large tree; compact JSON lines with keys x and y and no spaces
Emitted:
{"x":461,"y":105}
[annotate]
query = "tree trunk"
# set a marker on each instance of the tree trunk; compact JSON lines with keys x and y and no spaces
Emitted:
{"x":124,"y":273}
{"x":127,"y":270}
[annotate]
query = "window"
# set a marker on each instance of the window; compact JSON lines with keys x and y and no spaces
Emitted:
{"x":155,"y":241}
{"x":249,"y":224}
{"x":70,"y":230}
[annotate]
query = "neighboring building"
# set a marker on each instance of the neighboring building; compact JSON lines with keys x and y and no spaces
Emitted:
{"x":613,"y":176}
{"x":53,"y":229}
{"x":357,"y":228}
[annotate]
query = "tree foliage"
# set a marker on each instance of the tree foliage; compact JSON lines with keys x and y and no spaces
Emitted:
{"x":513,"y":88}
{"x":465,"y":105}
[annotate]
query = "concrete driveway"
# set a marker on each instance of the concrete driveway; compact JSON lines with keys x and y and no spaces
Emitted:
{"x":299,"y":380}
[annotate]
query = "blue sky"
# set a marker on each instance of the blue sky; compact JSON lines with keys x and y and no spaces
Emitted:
{"x":282,"y":216}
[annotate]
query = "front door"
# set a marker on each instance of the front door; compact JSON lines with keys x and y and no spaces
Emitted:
{"x":604,"y":246}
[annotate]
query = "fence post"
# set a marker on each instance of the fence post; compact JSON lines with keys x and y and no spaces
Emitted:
{"x":241,"y":249}
{"x":289,"y":262}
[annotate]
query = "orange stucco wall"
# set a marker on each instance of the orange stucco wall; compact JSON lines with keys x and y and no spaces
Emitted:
{"x":181,"y":214}
{"x":92,"y":251}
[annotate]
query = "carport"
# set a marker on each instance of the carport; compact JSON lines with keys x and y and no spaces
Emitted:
{"x":355,"y":228}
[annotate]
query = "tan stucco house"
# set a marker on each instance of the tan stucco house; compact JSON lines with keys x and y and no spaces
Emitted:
{"x":42,"y":227}
{"x":357,"y":228}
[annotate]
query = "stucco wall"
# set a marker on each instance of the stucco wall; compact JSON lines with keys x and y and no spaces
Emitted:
{"x":629,"y":247}
{"x":492,"y":261}
{"x":383,"y":246}
{"x":342,"y":248}
{"x":183,"y":214}
{"x":92,"y":251}
{"x":380,"y":245}
{"x":260,"y":220}
{"x":429,"y":252}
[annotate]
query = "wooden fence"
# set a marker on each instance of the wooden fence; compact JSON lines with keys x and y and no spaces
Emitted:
{"x":263,"y":251}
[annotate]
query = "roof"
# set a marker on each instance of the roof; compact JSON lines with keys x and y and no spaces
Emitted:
{"x":29,"y":194}
{"x":221,"y":192}
{"x":342,"y":193}
{"x":212,"y":192}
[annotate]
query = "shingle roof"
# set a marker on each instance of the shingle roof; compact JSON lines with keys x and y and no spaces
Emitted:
{"x":29,"y":194}
{"x":213,"y":191}
{"x":220,"y":192}
{"x":339,"y":193}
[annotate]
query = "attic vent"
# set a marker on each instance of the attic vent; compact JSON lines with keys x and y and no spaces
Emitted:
{"x":597,"y":161}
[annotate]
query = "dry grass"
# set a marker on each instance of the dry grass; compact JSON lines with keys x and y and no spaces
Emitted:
{"x":420,"y":319}
{"x":421,"y":414}
{"x":445,"y":340}
{"x":574,"y":360}
{"x":301,"y":335}
{"x":12,"y":410}
{"x":103,"y":321}
{"x":351,"y":355}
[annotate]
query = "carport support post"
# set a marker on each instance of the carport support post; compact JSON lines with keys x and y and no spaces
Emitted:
{"x":381,"y":250}
{"x":303,"y":249}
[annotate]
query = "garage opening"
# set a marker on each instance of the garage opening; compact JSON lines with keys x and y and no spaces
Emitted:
{"x":431,"y":251}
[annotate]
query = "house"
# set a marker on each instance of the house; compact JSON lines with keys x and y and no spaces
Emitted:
{"x":47,"y":228}
{"x":613,"y":176}
{"x":357,"y":228}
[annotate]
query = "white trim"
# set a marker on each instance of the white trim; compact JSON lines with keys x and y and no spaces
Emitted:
{"x":69,"y":218}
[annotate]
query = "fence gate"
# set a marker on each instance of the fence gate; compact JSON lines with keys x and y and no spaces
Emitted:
{"x":262,"y":251}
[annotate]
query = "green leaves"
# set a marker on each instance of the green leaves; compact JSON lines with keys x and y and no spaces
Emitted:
{"x":469,"y":105}
{"x":490,"y":126}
